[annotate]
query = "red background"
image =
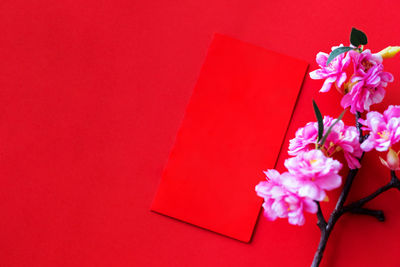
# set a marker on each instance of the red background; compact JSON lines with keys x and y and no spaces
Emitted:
{"x":91,"y":97}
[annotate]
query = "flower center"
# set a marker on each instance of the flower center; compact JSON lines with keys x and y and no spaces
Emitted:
{"x":366,"y":64}
{"x":290,"y":207}
{"x":384,"y":134}
{"x":348,"y":86}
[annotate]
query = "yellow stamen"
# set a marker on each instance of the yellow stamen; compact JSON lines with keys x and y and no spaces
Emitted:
{"x":348,"y":86}
{"x":384,"y":134}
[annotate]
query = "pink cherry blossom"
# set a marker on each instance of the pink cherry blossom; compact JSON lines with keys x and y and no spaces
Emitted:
{"x":281,"y":199}
{"x":342,"y":138}
{"x":314,"y":173}
{"x":335,"y":72}
{"x":367,"y":85}
{"x":384,"y":129}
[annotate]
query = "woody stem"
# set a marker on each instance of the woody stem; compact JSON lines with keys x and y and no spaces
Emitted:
{"x":327,"y":228}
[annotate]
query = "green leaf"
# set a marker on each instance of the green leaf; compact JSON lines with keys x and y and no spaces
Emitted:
{"x":320,"y":121}
{"x":357,"y":37}
{"x":336,"y":52}
{"x":330,"y":128}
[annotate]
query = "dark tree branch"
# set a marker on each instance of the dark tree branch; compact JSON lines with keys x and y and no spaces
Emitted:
{"x":321,"y":219}
{"x":394,"y":183}
{"x":338,"y":211}
{"x":358,"y":125}
{"x":335,"y":215}
{"x":378,"y":214}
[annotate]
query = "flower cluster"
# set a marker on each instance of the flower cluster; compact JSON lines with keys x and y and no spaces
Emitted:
{"x":342,"y":138}
{"x":358,"y":74}
{"x":312,"y":171}
{"x":291,"y":193}
{"x":366,"y":85}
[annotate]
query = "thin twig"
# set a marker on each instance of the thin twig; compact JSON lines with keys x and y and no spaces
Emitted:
{"x":394,"y":183}
{"x":378,"y":214}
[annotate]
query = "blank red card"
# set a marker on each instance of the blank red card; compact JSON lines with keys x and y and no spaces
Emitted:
{"x":233,"y":129}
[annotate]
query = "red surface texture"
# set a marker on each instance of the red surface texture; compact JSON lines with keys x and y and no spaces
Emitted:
{"x":230,"y":132}
{"x":92,"y":94}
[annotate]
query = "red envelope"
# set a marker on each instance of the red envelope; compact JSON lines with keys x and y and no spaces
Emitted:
{"x":233,"y":129}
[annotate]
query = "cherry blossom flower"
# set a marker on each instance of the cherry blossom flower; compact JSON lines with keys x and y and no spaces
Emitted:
{"x":384,"y":129}
{"x":281,"y":199}
{"x":368,"y":83}
{"x":314,"y":173}
{"x":334,"y":73}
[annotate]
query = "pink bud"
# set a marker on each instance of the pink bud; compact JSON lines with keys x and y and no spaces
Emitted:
{"x":392,"y":160}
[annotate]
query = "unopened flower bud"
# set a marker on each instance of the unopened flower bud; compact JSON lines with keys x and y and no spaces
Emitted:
{"x":389,"y":51}
{"x":392,"y":160}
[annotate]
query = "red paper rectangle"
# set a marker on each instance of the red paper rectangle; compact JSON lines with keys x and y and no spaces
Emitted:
{"x":233,"y":129}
